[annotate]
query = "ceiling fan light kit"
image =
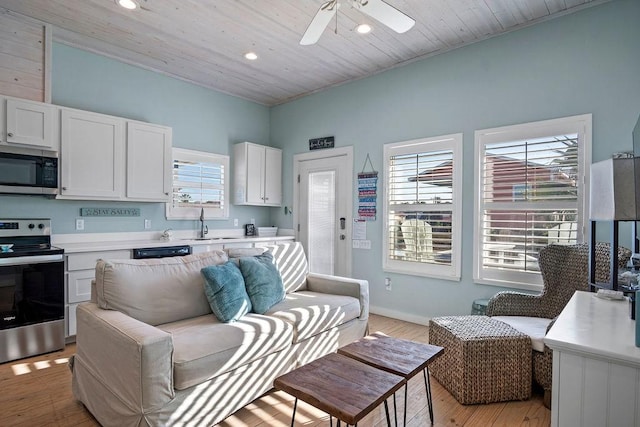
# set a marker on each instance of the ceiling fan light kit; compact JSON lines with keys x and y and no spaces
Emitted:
{"x":128,"y":4}
{"x":377,"y":9}
{"x":363,"y":29}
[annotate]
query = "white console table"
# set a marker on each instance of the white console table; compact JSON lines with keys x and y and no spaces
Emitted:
{"x":596,"y":365}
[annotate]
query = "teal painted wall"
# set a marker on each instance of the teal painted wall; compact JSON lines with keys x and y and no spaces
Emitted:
{"x":201,"y":119}
{"x":587,"y":62}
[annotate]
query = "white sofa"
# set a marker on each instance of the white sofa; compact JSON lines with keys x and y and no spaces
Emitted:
{"x":151,"y":353}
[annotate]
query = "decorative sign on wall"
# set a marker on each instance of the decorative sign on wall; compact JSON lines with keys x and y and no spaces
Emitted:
{"x":319,"y":143}
{"x":367,"y":192}
{"x":109,"y":211}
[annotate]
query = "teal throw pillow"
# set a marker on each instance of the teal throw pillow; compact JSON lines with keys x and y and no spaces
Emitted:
{"x":224,"y":287}
{"x":263,"y":282}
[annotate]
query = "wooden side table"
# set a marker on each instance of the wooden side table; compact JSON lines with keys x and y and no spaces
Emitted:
{"x":340,"y":386}
{"x":397,"y":356}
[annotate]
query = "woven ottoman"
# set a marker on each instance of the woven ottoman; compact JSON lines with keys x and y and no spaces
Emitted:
{"x":484,"y":360}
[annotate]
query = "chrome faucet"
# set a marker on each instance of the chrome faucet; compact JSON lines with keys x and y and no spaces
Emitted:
{"x":203,"y":228}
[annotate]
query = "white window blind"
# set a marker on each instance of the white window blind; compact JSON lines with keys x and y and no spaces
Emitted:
{"x":422,"y":207}
{"x":530,"y":195}
{"x":200,"y":181}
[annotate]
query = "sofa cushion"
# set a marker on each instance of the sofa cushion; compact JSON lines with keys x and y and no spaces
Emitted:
{"x":156,"y":291}
{"x":535,"y":327}
{"x":263,"y":282}
{"x":205,"y":348}
{"x":311,"y":313}
{"x":224,"y":287}
{"x":292,"y":263}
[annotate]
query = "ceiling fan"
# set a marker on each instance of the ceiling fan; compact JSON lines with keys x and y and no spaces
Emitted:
{"x":377,"y":9}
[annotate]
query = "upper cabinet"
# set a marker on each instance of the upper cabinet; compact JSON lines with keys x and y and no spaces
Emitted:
{"x":258,"y":175}
{"x":111,"y":158}
{"x":92,"y":156}
{"x":148,"y":162}
{"x":29,"y":124}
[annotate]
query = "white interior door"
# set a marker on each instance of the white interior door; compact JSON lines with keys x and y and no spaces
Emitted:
{"x":323,"y":212}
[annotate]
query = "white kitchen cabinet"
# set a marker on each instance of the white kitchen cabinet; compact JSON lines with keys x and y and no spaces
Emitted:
{"x":79,"y":273}
{"x":92,"y":156}
{"x":258,"y":175}
{"x":29,"y":124}
{"x":198,"y":249}
{"x":148,"y":162}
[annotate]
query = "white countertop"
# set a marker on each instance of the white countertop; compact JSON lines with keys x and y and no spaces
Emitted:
{"x":596,"y":326}
{"x":74,"y":243}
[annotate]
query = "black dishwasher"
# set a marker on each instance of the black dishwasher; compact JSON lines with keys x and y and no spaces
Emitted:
{"x":161,"y":252}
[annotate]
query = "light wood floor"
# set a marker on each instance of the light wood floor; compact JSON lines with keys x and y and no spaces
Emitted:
{"x":37,"y":392}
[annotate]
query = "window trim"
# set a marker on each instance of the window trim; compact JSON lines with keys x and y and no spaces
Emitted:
{"x":189,"y":213}
{"x":452,"y":272}
{"x":580,"y":124}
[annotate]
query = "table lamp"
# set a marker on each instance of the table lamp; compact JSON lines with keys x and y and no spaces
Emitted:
{"x":614,"y":197}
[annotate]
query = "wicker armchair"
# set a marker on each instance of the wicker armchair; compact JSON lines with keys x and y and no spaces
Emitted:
{"x":565,"y":269}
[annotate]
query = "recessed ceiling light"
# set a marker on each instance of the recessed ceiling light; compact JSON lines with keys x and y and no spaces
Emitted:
{"x":128,"y":4}
{"x":251,"y":56}
{"x":363,"y":28}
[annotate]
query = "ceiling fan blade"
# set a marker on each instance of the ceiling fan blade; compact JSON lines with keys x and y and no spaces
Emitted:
{"x":319,"y":23}
{"x":387,"y":15}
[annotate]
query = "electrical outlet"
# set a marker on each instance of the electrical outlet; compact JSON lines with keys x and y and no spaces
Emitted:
{"x":147,"y":224}
{"x":235,"y":222}
{"x":79,"y":224}
{"x":387,"y":283}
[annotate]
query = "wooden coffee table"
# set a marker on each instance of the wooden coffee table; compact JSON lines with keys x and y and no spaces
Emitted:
{"x":340,"y":386}
{"x":397,"y":356}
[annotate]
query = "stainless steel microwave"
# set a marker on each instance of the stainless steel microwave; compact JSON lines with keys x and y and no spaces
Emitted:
{"x":28,"y":174}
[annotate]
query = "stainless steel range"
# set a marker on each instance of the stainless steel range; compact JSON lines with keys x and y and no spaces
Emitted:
{"x":31,"y":289}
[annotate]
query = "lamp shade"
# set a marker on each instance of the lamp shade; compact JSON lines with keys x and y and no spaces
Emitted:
{"x":615,"y":190}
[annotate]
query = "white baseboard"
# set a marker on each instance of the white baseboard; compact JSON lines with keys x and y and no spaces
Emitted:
{"x":420,"y":320}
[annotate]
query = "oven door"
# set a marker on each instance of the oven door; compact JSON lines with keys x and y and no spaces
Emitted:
{"x":31,"y":290}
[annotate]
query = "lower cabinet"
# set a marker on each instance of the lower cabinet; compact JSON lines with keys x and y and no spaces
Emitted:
{"x":79,"y":273}
{"x":198,"y":249}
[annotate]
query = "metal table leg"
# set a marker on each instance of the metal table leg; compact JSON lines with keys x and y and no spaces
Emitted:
{"x":395,"y":411}
{"x":405,"y":402}
{"x":386,"y":411}
{"x":293,"y":416}
{"x":427,"y":386}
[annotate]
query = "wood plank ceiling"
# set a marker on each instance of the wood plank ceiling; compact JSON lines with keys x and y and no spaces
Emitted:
{"x":203,"y":41}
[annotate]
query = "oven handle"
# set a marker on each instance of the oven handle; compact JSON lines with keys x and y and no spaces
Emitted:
{"x":35,"y":259}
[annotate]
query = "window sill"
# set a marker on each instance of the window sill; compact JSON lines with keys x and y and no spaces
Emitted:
{"x":422,"y":274}
{"x":510,"y":285}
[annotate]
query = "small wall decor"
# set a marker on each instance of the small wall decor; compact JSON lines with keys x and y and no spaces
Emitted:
{"x":110,"y":212}
{"x":320,"y":143}
{"x":367,"y":192}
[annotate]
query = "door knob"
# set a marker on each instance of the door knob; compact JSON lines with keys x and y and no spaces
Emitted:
{"x":342,"y":237}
